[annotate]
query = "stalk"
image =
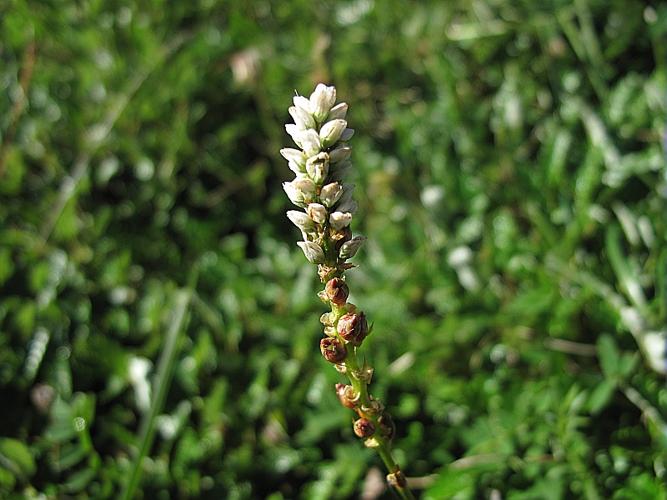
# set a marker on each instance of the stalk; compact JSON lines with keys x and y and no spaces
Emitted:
{"x":319,"y":188}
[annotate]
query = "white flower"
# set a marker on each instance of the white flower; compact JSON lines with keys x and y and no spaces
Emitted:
{"x":301,"y":220}
{"x":302,"y":119}
{"x":303,"y":103}
{"x":312,"y":251}
{"x":338,"y":111}
{"x":321,"y":101}
{"x":331,"y":132}
{"x":296,"y":159}
{"x":308,"y":140}
{"x":317,"y":167}
{"x":317,"y":212}
{"x":349,"y":248}
{"x":331,"y":193}
{"x":339,"y":220}
{"x":300,"y":191}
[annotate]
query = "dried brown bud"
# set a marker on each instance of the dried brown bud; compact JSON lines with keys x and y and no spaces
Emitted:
{"x":347,"y":395}
{"x":333,"y":350}
{"x":341,"y":236}
{"x":353,"y":327}
{"x":364,"y":428}
{"x":337,"y":291}
{"x":386,"y":425}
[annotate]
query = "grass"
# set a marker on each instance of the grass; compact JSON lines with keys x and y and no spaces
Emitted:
{"x":510,"y":165}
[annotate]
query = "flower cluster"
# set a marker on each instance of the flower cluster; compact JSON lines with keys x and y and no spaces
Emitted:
{"x":321,"y":164}
{"x":319,"y":188}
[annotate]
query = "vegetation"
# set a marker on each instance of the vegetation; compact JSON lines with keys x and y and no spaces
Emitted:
{"x":159,"y":327}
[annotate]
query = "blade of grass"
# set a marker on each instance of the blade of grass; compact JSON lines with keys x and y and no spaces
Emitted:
{"x":162,"y":382}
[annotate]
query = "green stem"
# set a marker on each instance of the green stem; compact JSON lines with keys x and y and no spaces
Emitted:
{"x":384,"y":447}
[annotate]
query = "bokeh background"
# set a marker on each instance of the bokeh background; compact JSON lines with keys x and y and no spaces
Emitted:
{"x":510,"y":171}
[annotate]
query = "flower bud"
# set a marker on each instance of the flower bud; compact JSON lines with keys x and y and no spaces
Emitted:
{"x":302,"y":119}
{"x":300,"y":191}
{"x":308,"y":140}
{"x":331,"y":132}
{"x":303,"y":103}
{"x":364,"y":428}
{"x":317,"y":212}
{"x":387,"y":426}
{"x":312,"y":251}
{"x":333,"y":350}
{"x":339,"y":220}
{"x":301,"y":220}
{"x":339,"y":154}
{"x":328,"y":319}
{"x":353,"y":327}
{"x":294,"y":156}
{"x":350,"y":248}
{"x":317,"y":167}
{"x":321,"y":101}
{"x":331,"y":193}
{"x":347,"y":396}
{"x":338,"y":111}
{"x":337,"y":291}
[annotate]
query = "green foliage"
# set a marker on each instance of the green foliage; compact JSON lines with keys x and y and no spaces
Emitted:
{"x":510,"y":173}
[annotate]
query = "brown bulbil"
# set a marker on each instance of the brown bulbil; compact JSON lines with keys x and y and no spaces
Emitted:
{"x":364,"y":428}
{"x":337,"y":291}
{"x":353,"y":327}
{"x":333,"y":350}
{"x":346,"y":395}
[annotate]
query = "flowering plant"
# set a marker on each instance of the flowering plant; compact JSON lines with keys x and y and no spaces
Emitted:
{"x":321,"y":165}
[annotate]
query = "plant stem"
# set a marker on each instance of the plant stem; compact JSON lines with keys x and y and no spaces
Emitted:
{"x":360,"y":385}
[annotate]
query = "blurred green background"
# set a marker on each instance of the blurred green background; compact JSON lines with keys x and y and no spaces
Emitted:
{"x":511,"y":179}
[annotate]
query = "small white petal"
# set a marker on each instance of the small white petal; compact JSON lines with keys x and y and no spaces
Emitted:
{"x":338,"y":111}
{"x":350,"y":248}
{"x":339,"y":220}
{"x":312,"y":251}
{"x":331,"y":193}
{"x":331,"y":132}
{"x":301,"y":220}
{"x":293,"y":131}
{"x":317,"y":212}
{"x":317,"y":167}
{"x":322,"y":100}
{"x":303,"y":103}
{"x":302,"y":119}
{"x":309,"y":141}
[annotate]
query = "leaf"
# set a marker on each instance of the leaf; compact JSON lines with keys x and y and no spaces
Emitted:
{"x":16,"y":457}
{"x":601,"y":396}
{"x":609,"y":356}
